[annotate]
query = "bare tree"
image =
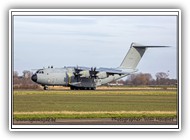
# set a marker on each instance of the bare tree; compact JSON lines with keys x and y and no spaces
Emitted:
{"x":27,"y":74}
{"x":24,"y":81}
{"x":139,"y":79}
{"x":161,"y":75}
{"x":162,"y":78}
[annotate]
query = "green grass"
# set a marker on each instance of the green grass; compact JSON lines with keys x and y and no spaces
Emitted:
{"x":89,"y":101}
{"x":115,"y":92}
{"x":23,"y":117}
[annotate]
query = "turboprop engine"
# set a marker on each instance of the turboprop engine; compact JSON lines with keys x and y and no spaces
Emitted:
{"x":99,"y":75}
{"x":102,"y":75}
{"x":84,"y":74}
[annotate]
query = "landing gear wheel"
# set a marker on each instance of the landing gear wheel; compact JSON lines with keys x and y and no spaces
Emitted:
{"x":82,"y":88}
{"x":72,"y":88}
{"x":45,"y":87}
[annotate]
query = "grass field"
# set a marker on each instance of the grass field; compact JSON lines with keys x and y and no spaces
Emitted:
{"x":94,"y":104}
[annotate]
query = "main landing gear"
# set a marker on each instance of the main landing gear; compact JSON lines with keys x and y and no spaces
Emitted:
{"x":82,"y":88}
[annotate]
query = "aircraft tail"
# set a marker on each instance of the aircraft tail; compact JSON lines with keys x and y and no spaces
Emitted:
{"x":134,"y":55}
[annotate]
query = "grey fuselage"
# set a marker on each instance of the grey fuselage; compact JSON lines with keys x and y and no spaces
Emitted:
{"x":65,"y":77}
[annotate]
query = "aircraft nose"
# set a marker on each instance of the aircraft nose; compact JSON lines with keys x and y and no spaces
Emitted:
{"x":34,"y":77}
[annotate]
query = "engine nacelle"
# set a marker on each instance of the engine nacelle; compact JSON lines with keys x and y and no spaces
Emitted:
{"x":102,"y":75}
{"x":84,"y":74}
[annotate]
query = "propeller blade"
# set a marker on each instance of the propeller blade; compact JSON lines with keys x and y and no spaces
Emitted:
{"x":93,"y":72}
{"x":76,"y":73}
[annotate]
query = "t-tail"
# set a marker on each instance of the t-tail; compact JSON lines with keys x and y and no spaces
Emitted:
{"x":134,"y":56}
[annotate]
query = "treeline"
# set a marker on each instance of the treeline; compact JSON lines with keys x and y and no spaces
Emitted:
{"x":147,"y":79}
{"x":24,"y":81}
{"x":137,"y":79}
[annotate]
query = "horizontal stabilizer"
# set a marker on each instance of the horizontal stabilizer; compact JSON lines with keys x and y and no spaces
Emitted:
{"x":149,"y":46}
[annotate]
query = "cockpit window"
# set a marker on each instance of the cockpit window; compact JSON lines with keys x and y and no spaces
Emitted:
{"x":40,"y":71}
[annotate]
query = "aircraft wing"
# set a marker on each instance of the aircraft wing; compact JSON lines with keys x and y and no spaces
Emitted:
{"x":112,"y":71}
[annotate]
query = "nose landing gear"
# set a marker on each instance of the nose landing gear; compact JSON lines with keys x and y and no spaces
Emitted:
{"x":45,"y":87}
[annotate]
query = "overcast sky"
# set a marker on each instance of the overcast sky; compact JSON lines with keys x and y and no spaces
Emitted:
{"x":101,"y":41}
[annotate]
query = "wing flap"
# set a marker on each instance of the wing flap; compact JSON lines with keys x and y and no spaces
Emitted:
{"x":111,"y":71}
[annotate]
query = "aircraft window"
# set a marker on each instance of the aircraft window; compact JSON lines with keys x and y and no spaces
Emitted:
{"x":40,"y":72}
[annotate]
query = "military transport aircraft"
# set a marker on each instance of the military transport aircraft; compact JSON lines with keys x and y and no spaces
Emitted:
{"x":84,"y":78}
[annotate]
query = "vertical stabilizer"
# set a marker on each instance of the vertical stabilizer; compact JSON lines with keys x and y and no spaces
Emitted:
{"x":134,"y":55}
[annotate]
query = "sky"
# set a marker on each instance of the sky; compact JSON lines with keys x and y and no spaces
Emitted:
{"x":94,"y":41}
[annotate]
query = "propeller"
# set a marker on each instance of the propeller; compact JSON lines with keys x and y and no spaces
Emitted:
{"x":77,"y":73}
{"x":93,"y":72}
